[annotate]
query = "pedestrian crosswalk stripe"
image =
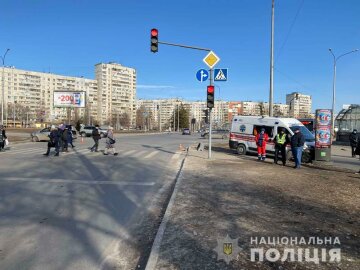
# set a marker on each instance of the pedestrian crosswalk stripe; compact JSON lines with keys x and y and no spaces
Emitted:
{"x":151,"y":154}
{"x":23,"y":151}
{"x":175,"y":156}
{"x":128,"y":152}
{"x":139,"y":154}
{"x":36,"y":151}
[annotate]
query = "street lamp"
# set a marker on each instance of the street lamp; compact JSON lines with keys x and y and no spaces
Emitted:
{"x":334,"y":84}
{"x":3,"y":83}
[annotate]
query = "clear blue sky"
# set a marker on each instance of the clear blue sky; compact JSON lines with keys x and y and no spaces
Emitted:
{"x":70,"y":36}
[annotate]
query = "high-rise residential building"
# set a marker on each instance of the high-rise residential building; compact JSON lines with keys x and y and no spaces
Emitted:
{"x":220,"y":112}
{"x":28,"y":95}
{"x":299,"y":104}
{"x":116,"y":92}
{"x":197,"y":112}
{"x":262,"y":108}
{"x":160,"y":110}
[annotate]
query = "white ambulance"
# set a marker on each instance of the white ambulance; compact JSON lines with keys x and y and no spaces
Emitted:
{"x":245,"y":128}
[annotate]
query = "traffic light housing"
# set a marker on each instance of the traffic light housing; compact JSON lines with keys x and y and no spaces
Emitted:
{"x":154,"y":34}
{"x":210,"y":96}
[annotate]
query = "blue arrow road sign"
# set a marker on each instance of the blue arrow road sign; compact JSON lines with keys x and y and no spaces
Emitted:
{"x":202,"y":75}
{"x":220,"y":74}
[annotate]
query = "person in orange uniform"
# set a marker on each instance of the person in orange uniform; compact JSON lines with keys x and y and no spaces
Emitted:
{"x":261,"y":139}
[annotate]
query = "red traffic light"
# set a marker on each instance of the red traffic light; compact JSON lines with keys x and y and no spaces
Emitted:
{"x":154,"y":32}
{"x":210,"y":89}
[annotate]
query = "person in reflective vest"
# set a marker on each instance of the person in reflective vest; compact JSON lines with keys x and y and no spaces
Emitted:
{"x":281,"y":140}
{"x":261,"y":139}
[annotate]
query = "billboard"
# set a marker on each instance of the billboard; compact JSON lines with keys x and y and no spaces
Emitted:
{"x":323,"y":138}
{"x":69,"y":99}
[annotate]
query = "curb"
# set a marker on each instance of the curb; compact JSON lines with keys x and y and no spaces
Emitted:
{"x":154,"y":253}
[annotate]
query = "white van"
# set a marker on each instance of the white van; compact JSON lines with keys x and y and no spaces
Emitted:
{"x":244,"y":129}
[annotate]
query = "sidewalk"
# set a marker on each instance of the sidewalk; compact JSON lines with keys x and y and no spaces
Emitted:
{"x":244,"y":198}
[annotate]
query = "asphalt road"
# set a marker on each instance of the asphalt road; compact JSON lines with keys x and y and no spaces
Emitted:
{"x":84,"y":210}
{"x":341,"y":157}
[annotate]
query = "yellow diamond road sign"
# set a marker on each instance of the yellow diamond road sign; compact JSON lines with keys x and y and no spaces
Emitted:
{"x":211,"y":59}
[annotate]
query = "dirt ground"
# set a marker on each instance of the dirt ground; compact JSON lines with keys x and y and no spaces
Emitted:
{"x":244,"y":198}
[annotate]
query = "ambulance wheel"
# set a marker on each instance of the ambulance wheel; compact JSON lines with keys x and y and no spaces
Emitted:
{"x":241,"y":149}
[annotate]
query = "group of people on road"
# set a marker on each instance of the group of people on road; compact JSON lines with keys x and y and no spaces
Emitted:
{"x":62,"y":136}
{"x":60,"y":139}
{"x":110,"y":141}
{"x":296,"y":141}
{"x":3,"y":137}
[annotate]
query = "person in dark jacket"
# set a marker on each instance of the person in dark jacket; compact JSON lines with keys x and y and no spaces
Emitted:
{"x":354,"y":140}
{"x":54,"y":141}
{"x":70,"y":137}
{"x":64,"y":138}
{"x":297,"y":143}
{"x":281,"y":140}
{"x":2,"y":137}
{"x":96,"y":137}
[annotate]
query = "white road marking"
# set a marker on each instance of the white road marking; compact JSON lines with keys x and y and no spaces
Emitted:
{"x":175,"y":156}
{"x":86,"y":182}
{"x":25,"y":150}
{"x":139,"y":154}
{"x":151,"y":154}
{"x":128,"y":153}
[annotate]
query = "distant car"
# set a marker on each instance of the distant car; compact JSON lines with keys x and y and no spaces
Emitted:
{"x":40,"y":135}
{"x":217,"y":134}
{"x":43,"y":134}
{"x":204,"y":131}
{"x":186,"y":131}
{"x":86,"y":131}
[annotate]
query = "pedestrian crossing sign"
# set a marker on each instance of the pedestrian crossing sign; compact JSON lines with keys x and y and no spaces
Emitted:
{"x":220,"y":74}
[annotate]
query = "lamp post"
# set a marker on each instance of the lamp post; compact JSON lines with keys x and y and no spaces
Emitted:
{"x":271,"y":95}
{"x":3,"y":84}
{"x":334,"y":85}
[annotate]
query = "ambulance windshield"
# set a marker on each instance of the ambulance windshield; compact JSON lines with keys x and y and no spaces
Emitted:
{"x":309,"y":137}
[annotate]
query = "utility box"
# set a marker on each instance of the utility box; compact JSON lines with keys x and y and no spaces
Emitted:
{"x":323,"y":134}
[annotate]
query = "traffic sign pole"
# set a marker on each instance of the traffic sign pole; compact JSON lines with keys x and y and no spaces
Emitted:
{"x":210,"y":118}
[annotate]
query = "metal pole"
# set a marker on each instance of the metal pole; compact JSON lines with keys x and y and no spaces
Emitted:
{"x":333,"y":100}
{"x":271,"y":97}
{"x":14,"y":110}
{"x":174,"y":119}
{"x":184,"y":46}
{"x":210,"y":118}
{"x":334,"y":86}
{"x":160,"y":116}
{"x":3,"y":85}
{"x":178,"y":117}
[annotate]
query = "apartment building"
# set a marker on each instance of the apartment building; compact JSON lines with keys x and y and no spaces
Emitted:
{"x":235,"y":108}
{"x":116,"y":92}
{"x":255,"y":108}
{"x":28,"y":95}
{"x":160,"y":110}
{"x":299,"y":105}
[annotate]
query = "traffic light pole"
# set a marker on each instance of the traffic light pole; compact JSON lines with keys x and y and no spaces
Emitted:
{"x":211,"y":76}
{"x":210,"y":118}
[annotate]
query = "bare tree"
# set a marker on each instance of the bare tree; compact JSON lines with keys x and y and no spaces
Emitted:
{"x":125,"y":120}
{"x":140,"y":117}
